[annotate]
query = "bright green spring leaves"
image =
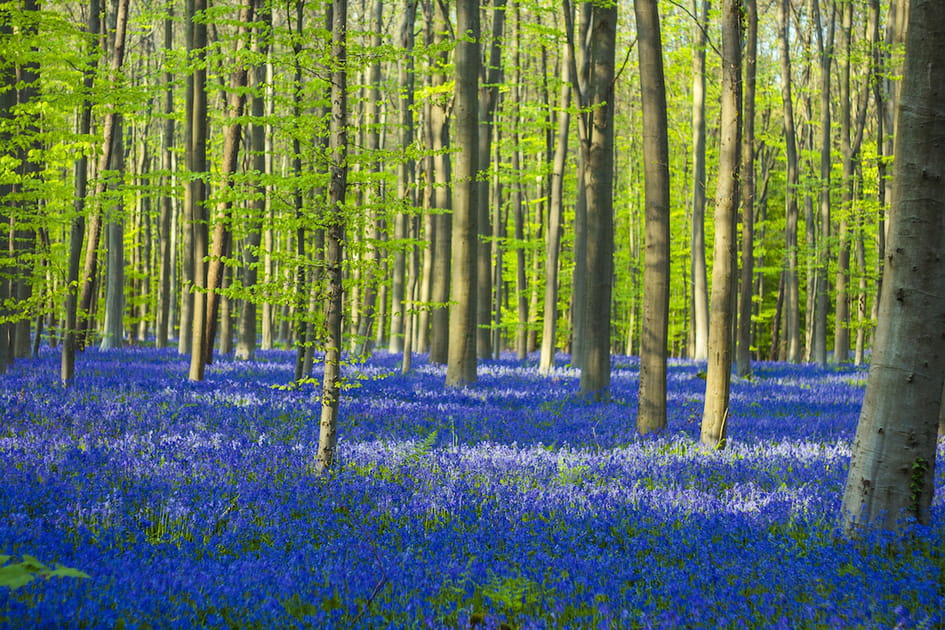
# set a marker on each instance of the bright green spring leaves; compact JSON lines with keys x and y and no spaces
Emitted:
{"x":22,"y":573}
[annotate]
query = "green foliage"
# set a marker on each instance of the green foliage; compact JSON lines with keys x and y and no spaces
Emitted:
{"x":17,"y":574}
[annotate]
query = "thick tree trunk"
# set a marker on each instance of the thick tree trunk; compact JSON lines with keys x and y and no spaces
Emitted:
{"x":719,"y":369}
{"x":334,"y":238}
{"x":651,"y":415}
{"x":892,"y":469}
{"x":599,"y":183}
{"x":461,"y":364}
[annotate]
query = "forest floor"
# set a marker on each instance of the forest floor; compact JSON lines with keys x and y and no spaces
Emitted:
{"x":510,"y":503}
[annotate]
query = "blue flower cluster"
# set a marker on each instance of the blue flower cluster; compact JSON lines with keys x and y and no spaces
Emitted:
{"x":511,"y":503}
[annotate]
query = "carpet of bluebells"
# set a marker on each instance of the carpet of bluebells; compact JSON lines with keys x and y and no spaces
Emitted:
{"x":512,"y":503}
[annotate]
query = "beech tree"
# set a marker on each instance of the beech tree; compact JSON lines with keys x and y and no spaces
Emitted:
{"x":461,"y":364}
{"x":719,"y":371}
{"x":334,"y":236}
{"x":651,"y":414}
{"x":891,"y":476}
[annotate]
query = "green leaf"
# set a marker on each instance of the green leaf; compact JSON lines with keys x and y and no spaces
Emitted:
{"x":63,"y":571}
{"x":15,"y":575}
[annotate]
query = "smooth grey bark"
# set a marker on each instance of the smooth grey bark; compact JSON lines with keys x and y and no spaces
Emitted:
{"x":700,"y":288}
{"x":442,"y":177}
{"x":113,"y":330}
{"x":461,"y":363}
{"x":599,"y":184}
{"x":891,"y":476}
{"x":747,"y":172}
{"x":792,"y":328}
{"x":491,"y":77}
{"x":719,"y":368}
{"x":334,"y":237}
{"x":196,"y":197}
{"x":77,"y":228}
{"x":555,"y":217}
{"x":651,"y":414}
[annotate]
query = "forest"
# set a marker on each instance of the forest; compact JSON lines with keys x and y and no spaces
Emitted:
{"x":468,"y":314}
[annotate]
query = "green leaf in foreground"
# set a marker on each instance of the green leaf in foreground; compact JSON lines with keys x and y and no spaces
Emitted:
{"x":19,"y":574}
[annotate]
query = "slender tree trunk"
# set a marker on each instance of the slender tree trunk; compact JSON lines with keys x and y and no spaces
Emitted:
{"x":461,"y":365}
{"x":246,"y":325}
{"x":442,"y":176}
{"x":700,"y":290}
{"x":488,"y":101}
{"x":114,"y":331}
{"x":792,"y":328}
{"x":196,"y":200}
{"x":719,"y":370}
{"x":406,"y":191}
{"x":77,"y":229}
{"x":222,"y":234}
{"x":165,"y":257}
{"x":892,"y":469}
{"x":109,"y":125}
{"x":823,"y":251}
{"x":747,"y":172}
{"x":334,"y":238}
{"x":651,"y":415}
{"x":555,"y":216}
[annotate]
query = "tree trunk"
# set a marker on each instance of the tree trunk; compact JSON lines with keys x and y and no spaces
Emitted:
{"x":461,"y":365}
{"x":719,"y":369}
{"x":334,"y":238}
{"x":109,"y":125}
{"x":114,"y":332}
{"x":77,"y":229}
{"x":651,"y":414}
{"x":195,"y":201}
{"x":222,"y":235}
{"x":246,"y":324}
{"x":747,"y":172}
{"x":700,"y":291}
{"x":162,"y":332}
{"x":439,"y":337}
{"x":892,"y":468}
{"x":792,"y":328}
{"x":555,"y":215}
{"x":406,"y":192}
{"x":818,"y":351}
{"x":599,"y":184}
{"x":488,"y":101}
